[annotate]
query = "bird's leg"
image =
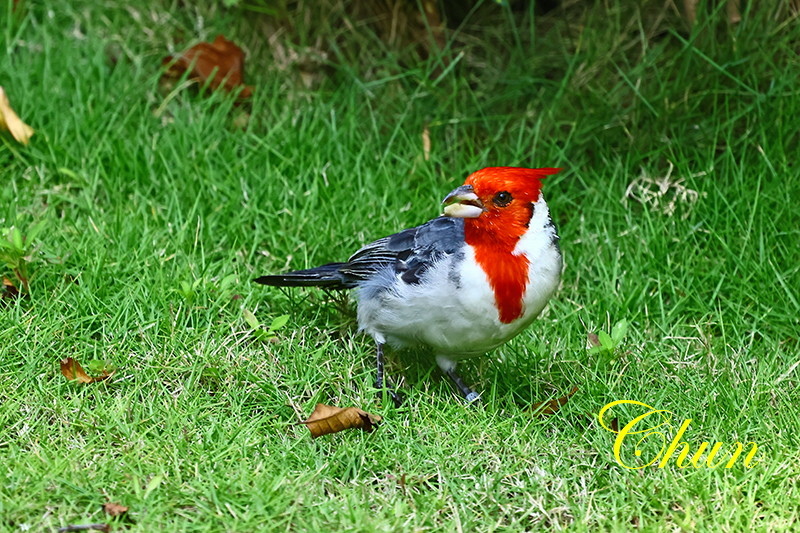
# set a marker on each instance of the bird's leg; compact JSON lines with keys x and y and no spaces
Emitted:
{"x":448,"y":366}
{"x":469,"y":394}
{"x":379,"y":378}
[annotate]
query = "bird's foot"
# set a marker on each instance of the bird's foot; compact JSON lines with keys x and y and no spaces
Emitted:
{"x":398,"y":398}
{"x":470,"y":396}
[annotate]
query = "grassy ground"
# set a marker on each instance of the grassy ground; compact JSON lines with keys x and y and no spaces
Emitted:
{"x":158,"y":212}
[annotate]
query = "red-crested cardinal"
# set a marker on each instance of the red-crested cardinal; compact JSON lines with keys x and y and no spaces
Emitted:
{"x":463,"y":283}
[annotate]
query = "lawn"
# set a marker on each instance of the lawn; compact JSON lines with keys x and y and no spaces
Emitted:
{"x":153,"y":206}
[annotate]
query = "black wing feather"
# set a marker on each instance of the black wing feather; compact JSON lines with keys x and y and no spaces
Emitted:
{"x":321,"y":276}
{"x":410,"y":252}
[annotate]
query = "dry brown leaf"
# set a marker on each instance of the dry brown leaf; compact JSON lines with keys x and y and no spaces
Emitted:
{"x":329,"y":419}
{"x":9,"y":290}
{"x":552,"y":406}
{"x":114,"y":508}
{"x":11,"y":122}
{"x":594,"y":340}
{"x":73,"y":371}
{"x":220,"y":64}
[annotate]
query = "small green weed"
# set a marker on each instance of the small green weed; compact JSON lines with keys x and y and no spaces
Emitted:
{"x":268,"y":334}
{"x":16,"y":250}
{"x":605,"y":345}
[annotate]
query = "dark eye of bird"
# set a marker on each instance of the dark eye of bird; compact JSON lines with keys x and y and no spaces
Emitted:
{"x":502,"y":199}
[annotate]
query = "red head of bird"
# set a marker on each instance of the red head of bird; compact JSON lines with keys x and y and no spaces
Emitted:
{"x":497,"y":204}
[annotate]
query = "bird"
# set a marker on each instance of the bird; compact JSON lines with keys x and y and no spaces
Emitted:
{"x":459,"y":285}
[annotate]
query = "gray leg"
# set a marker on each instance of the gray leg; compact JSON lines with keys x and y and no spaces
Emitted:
{"x":448,"y":366}
{"x":469,"y":394}
{"x":379,"y":373}
{"x":379,"y":377}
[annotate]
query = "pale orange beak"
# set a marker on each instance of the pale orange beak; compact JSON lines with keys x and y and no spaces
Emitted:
{"x":463,"y":203}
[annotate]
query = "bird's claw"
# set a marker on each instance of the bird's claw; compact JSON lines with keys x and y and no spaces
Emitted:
{"x":397,"y":398}
{"x":472,"y":397}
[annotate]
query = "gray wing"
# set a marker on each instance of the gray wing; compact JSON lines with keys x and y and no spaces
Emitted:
{"x":410,"y":253}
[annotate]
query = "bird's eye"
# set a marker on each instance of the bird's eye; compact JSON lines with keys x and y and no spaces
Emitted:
{"x":502,"y":199}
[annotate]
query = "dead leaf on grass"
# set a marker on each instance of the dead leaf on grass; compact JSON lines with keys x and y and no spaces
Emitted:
{"x":114,"y":508}
{"x":594,"y":340}
{"x":552,"y":406}
{"x":9,"y":120}
{"x":9,"y":290}
{"x":328,"y":419}
{"x":73,"y":371}
{"x":220,"y":64}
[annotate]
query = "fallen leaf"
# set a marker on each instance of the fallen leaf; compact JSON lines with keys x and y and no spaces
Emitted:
{"x":11,"y":122}
{"x":329,"y":419}
{"x":114,"y":508}
{"x":552,"y":406}
{"x":220,"y":64}
{"x":594,"y":340}
{"x":73,"y":371}
{"x":9,"y":290}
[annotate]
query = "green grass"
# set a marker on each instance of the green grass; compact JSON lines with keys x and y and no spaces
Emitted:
{"x":143,"y":193}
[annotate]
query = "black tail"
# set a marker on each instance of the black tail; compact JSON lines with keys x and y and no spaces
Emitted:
{"x":321,"y":276}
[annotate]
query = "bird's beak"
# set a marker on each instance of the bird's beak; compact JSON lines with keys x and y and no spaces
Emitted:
{"x":463,"y":203}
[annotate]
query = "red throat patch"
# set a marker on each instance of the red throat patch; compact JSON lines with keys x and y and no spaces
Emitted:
{"x":508,"y":276}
